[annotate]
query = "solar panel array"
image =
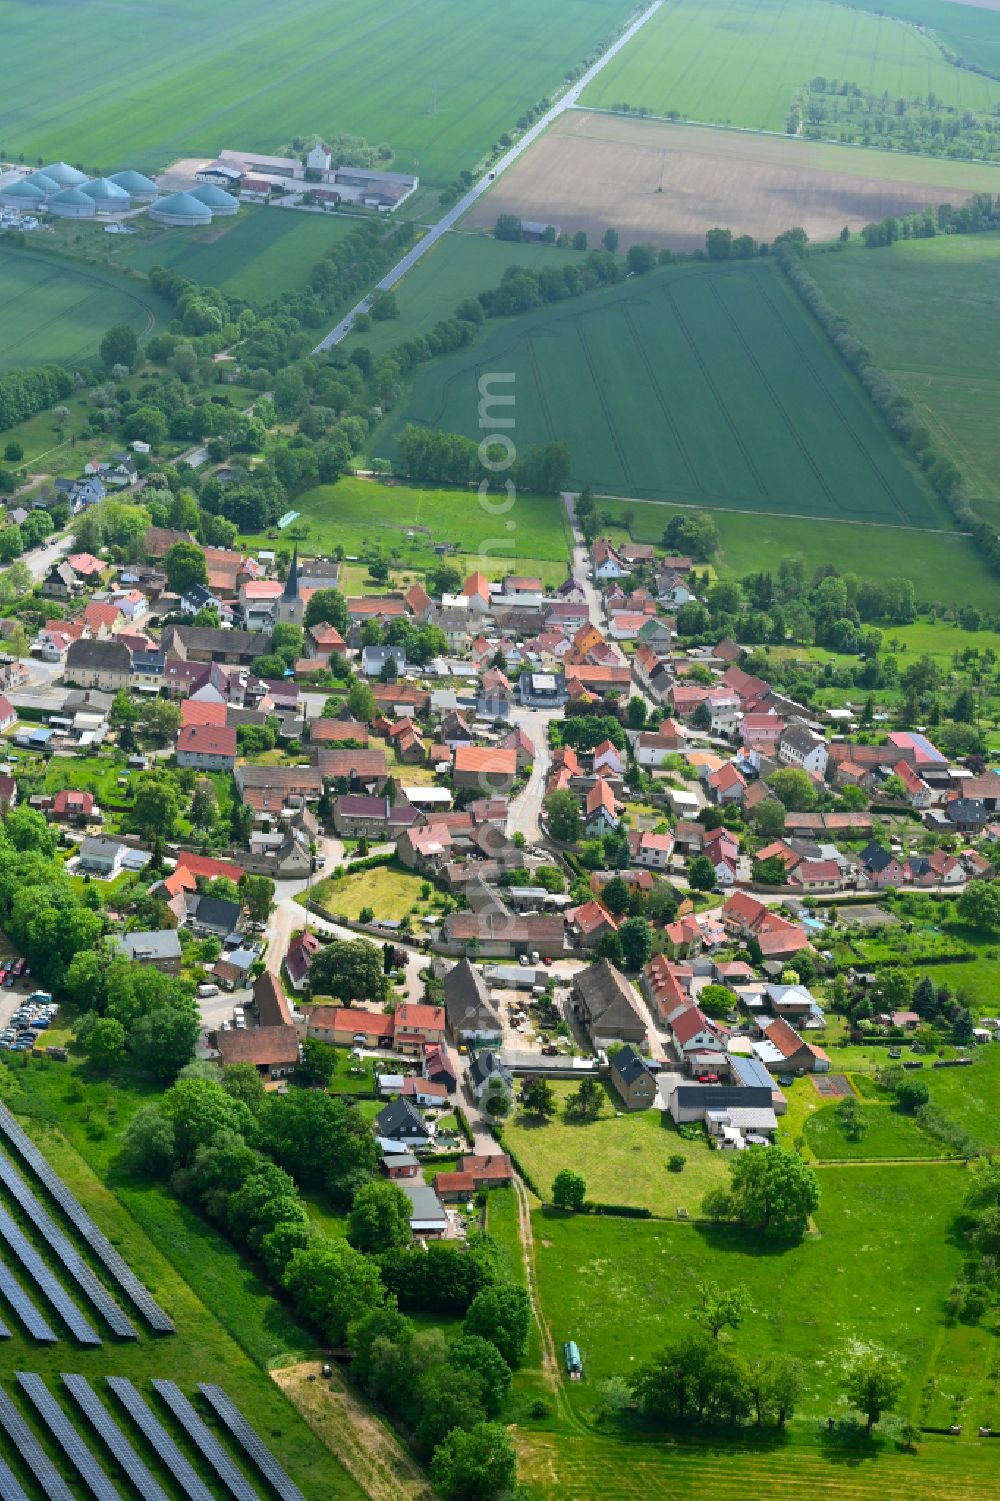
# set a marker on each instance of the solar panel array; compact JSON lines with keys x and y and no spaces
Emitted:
{"x":159,"y":1439}
{"x":254,"y":1446}
{"x":78,"y":1216}
{"x":23,"y":1307}
{"x":66,"y":1436}
{"x":205,"y":1441}
{"x":47,"y":1281}
{"x":105,"y":1426}
{"x":54,"y":1488}
{"x":10,"y":1486}
{"x":64,"y":1248}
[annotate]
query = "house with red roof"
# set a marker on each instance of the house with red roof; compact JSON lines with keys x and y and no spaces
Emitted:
{"x":652,"y":851}
{"x":101,"y":619}
{"x":8,"y":714}
{"x":602,"y":809}
{"x":86,"y":565}
{"x":726,"y":785}
{"x":204,"y":867}
{"x":781,"y":1049}
{"x":207,"y":747}
{"x":476,"y":590}
{"x":203,"y":712}
{"x":608,"y":759}
{"x":302,"y":949}
{"x":590,"y":922}
{"x":472,"y":1173}
{"x":417,"y":1026}
{"x":74,"y":806}
{"x":341,"y":1025}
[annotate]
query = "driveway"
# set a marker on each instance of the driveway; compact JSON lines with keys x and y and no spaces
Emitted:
{"x":525,"y":808}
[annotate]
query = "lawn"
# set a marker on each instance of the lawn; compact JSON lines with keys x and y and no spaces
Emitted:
{"x":257,"y":255}
{"x":700,"y":383}
{"x":389,"y":890}
{"x":623,"y":1157}
{"x":943,"y":566}
{"x":889,"y":1133}
{"x":929,"y":312}
{"x":460,"y":265}
{"x":356,"y":514}
{"x":229,"y":1329}
{"x":740,"y":62}
{"x":878,"y":1269}
{"x":56,"y":311}
{"x":967,"y":1096}
{"x":437,"y":81}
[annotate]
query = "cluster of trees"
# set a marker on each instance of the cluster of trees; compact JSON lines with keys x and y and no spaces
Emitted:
{"x":699,"y":1379}
{"x":897,"y":409}
{"x":975,"y":1288}
{"x":207,"y":1136}
{"x":23,"y":393}
{"x":829,"y":109}
{"x":433,"y":457}
{"x":771,"y":1192}
{"x":978,"y":214}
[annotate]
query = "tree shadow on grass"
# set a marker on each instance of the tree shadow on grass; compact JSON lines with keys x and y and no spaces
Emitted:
{"x":844,"y":1441}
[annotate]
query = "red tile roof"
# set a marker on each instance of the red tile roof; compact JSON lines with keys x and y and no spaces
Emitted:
{"x":207,"y":739}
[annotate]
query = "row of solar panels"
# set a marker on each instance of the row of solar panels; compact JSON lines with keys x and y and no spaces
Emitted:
{"x":62,"y":1431}
{"x":91,"y":1286}
{"x":78,"y":1216}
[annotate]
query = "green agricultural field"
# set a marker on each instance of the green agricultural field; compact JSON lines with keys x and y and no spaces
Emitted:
{"x":228,"y":1328}
{"x":703,"y":384}
{"x":929,"y":310}
{"x":435,"y":79}
{"x":942,"y":565}
{"x":622,"y":1157}
{"x":55,"y":311}
{"x":970,"y":31}
{"x":357,"y":513}
{"x":460,"y":265}
{"x":889,"y":1133}
{"x":257,"y":255}
{"x":878,"y":1269}
{"x":740,"y":62}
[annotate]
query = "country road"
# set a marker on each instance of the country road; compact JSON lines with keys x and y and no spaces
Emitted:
{"x":451,"y":218}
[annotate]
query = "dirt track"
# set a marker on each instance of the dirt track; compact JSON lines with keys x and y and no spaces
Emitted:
{"x":663,"y":184}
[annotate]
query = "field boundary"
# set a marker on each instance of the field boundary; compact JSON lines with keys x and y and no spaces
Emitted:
{"x":650,"y":117}
{"x":708,"y":505}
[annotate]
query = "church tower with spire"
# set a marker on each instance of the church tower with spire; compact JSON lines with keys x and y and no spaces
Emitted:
{"x":291,"y":607}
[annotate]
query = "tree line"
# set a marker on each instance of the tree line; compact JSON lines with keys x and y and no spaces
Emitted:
{"x":434,"y":457}
{"x":243,"y":1158}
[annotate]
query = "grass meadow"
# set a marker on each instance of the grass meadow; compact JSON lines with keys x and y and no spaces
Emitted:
{"x":740,"y":62}
{"x":943,"y":566}
{"x":229,"y":1329}
{"x":355,"y":513}
{"x":435,"y":79}
{"x":929,"y":311}
{"x":700,"y":384}
{"x":56,"y":311}
{"x":257,"y":255}
{"x":889,"y":1133}
{"x":391,"y":891}
{"x":622,"y":1157}
{"x":877,"y":1268}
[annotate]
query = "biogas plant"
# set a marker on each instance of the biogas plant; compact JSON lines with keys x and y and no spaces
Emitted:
{"x":66,"y":193}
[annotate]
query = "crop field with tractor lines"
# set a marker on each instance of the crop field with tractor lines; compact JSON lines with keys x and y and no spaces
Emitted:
{"x":701,"y":384}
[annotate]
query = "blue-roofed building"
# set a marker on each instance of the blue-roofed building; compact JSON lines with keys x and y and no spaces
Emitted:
{"x":36,"y":739}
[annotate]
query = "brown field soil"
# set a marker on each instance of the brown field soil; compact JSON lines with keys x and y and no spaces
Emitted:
{"x":590,"y":171}
{"x":369,"y":1452}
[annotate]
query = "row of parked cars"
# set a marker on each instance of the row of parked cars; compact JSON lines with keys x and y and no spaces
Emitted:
{"x":13,"y":970}
{"x":34,"y":1016}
